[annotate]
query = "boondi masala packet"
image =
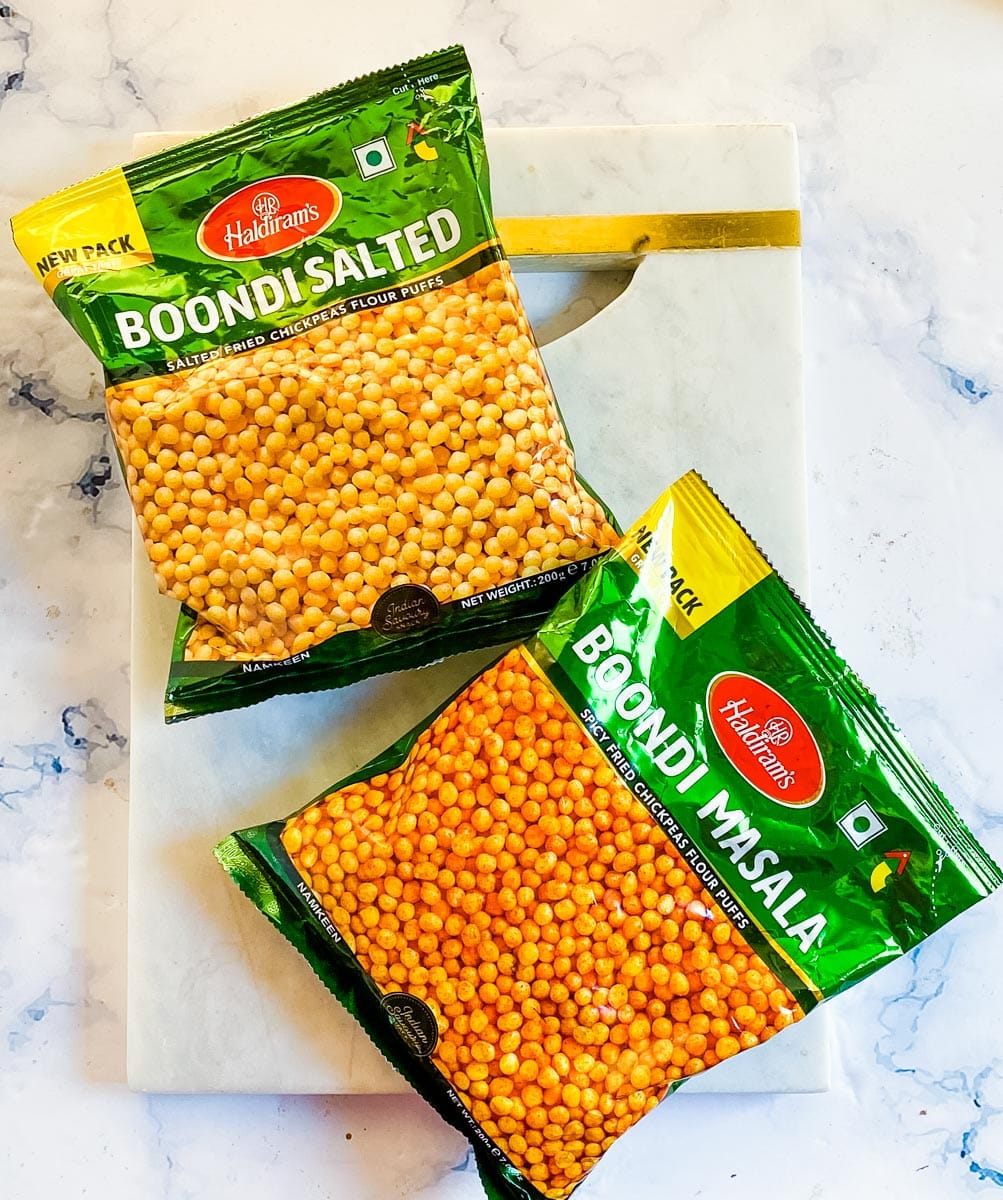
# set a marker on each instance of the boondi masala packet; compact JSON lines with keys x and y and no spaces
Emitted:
{"x":651,"y":838}
{"x":337,"y":432}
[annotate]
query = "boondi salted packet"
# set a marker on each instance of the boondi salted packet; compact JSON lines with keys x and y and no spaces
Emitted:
{"x":651,"y":838}
{"x":336,"y":429}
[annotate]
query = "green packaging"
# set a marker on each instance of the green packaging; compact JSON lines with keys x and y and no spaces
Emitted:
{"x":651,"y":838}
{"x":336,"y":429}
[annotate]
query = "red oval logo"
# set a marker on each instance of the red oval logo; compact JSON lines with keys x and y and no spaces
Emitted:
{"x":269,"y":216}
{"x":765,"y":739}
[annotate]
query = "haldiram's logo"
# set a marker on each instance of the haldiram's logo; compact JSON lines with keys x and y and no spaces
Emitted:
{"x":778,"y":731}
{"x":265,"y":205}
{"x":765,"y":739}
{"x":268,"y":217}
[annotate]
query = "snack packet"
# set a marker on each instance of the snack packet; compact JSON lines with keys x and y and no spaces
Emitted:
{"x":649,"y":839}
{"x":337,"y":432}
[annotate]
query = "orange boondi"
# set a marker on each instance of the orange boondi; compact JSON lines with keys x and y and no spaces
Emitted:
{"x":505,"y":876}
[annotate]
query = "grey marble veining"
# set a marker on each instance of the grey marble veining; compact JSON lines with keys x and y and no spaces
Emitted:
{"x":897,"y":108}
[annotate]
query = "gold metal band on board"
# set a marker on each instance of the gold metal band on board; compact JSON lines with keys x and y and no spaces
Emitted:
{"x":645,"y":233}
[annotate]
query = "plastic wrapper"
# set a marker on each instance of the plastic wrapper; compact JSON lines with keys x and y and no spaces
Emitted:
{"x":649,"y":839}
{"x":337,"y":431}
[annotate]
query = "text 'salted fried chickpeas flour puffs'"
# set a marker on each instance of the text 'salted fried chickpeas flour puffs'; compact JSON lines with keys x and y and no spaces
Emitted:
{"x":646,"y":841}
{"x":336,"y":428}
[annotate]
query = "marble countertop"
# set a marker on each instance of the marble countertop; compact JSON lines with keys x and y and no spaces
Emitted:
{"x":897,"y":107}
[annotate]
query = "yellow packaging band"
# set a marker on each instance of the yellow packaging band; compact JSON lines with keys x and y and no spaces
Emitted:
{"x":84,"y":230}
{"x":689,"y":576}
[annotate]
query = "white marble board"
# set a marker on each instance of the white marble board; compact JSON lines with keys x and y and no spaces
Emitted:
{"x":696,"y":363}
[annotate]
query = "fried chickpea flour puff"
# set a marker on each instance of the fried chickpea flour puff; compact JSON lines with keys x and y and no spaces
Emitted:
{"x":505,"y":876}
{"x":282,"y":491}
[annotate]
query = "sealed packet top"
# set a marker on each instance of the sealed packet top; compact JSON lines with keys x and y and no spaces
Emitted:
{"x":337,"y":432}
{"x":646,"y":841}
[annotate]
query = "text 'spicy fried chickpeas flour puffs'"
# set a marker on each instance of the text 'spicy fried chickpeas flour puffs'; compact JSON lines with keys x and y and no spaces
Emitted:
{"x":648,"y":840}
{"x":337,"y":432}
